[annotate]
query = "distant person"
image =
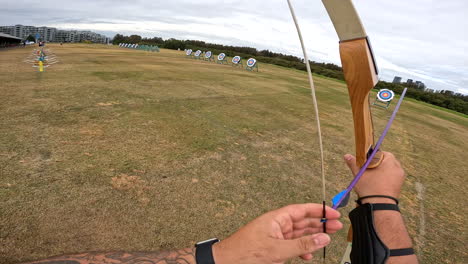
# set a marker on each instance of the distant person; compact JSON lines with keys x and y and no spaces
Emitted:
{"x":295,"y":231}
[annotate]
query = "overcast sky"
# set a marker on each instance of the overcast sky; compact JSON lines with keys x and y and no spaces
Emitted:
{"x":418,"y":39}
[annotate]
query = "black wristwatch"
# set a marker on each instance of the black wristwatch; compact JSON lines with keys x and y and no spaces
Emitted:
{"x":204,"y":252}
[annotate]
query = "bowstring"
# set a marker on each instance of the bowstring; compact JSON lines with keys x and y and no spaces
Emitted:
{"x":314,"y":98}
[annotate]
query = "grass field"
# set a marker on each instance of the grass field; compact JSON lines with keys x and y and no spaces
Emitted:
{"x":122,"y":149}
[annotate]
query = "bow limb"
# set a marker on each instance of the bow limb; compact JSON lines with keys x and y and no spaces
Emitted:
{"x":360,"y":72}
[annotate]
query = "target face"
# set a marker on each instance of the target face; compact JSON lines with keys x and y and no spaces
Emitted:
{"x":251,"y":62}
{"x":188,"y":52}
{"x":385,"y":95}
{"x":197,"y":54}
{"x":221,"y":56}
{"x":208,"y":54}
{"x":236,"y":59}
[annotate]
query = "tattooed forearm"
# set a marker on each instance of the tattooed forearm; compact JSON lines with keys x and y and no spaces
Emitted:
{"x":182,"y":256}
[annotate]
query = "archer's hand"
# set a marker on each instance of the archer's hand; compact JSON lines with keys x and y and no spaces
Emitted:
{"x":386,"y":179}
{"x":275,"y":237}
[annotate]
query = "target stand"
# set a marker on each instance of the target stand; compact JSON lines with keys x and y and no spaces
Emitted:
{"x":209,"y":56}
{"x":384,"y":98}
{"x":188,"y":53}
{"x":237,"y":61}
{"x":197,"y":55}
{"x":222,"y":59}
{"x":252,"y":65}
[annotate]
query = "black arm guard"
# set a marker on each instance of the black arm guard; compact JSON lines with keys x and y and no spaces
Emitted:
{"x":367,"y":246}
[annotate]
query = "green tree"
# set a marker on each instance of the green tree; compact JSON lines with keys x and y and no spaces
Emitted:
{"x":174,"y":44}
{"x":118,"y":39}
{"x":134,"y":39}
{"x":31,"y":38}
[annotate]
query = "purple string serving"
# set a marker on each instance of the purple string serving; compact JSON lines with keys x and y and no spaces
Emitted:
{"x":374,"y":152}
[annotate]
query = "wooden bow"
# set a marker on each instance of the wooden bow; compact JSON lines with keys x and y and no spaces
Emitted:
{"x":361,"y":75}
{"x":360,"y":72}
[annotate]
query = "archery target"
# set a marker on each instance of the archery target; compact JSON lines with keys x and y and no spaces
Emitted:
{"x":197,"y":53}
{"x":236,"y":59}
{"x":221,"y":56}
{"x":208,"y":54}
{"x":251,"y":62}
{"x":188,"y":52}
{"x":385,"y":95}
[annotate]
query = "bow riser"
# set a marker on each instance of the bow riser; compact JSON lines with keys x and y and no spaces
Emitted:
{"x":360,"y":73}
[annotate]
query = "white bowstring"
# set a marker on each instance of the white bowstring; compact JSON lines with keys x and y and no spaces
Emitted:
{"x":314,"y":98}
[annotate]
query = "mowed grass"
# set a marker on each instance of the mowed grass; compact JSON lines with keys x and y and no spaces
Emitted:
{"x":117,"y":149}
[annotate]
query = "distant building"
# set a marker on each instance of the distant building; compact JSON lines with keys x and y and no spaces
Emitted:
{"x":420,"y":85}
{"x":7,"y":40}
{"x":49,"y":34}
{"x":409,"y":81}
{"x":397,"y":79}
{"x":7,"y":30}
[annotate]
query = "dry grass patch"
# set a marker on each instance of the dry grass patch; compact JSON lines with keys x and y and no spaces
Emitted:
{"x":122,"y":149}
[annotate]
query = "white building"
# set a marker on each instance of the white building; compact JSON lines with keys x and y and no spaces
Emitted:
{"x":49,"y":34}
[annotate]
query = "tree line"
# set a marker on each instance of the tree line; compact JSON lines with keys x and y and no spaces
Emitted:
{"x":445,"y":99}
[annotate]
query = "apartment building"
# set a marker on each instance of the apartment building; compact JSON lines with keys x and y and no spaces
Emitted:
{"x":50,"y":34}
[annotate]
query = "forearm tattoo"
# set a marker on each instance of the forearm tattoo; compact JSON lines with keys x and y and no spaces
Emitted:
{"x":182,"y":256}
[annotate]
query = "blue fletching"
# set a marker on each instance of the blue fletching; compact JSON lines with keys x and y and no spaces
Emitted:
{"x":338,"y":197}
